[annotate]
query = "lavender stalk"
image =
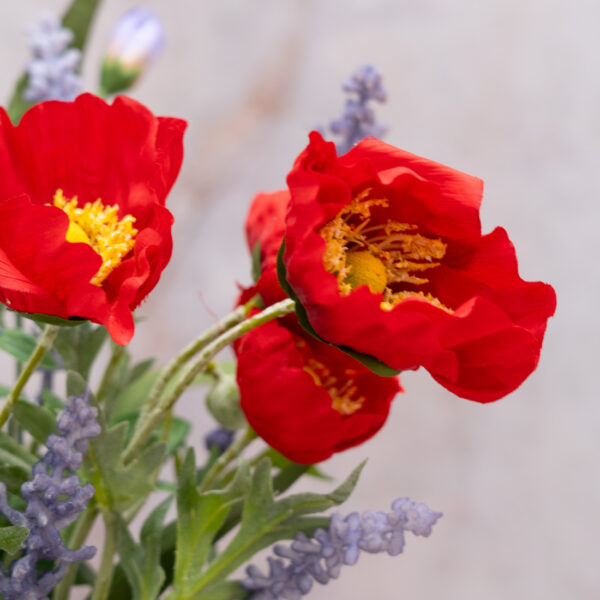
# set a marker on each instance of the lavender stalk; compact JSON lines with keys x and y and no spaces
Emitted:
{"x":320,"y":559}
{"x":54,"y":499}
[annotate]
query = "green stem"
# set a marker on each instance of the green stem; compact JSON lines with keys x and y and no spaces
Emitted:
{"x":44,"y":344}
{"x":76,"y":540}
{"x":229,"y":455}
{"x":237,"y":316}
{"x":109,"y":374}
{"x":155,"y":416}
{"x":105,"y":573}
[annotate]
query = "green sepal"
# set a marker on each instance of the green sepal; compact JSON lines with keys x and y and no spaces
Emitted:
{"x":53,"y":320}
{"x":114,"y":77}
{"x":256,"y":270}
{"x":37,"y":420}
{"x":373,"y":364}
{"x":12,"y":537}
{"x":21,"y":345}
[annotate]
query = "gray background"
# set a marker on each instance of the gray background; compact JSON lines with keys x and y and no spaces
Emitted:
{"x":504,"y":89}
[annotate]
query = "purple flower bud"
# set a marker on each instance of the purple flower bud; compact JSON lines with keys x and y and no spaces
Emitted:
{"x":137,"y":39}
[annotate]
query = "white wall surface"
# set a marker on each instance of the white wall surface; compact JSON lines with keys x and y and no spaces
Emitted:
{"x":508,"y":90}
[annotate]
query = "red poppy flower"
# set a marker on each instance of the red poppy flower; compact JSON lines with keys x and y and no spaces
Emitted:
{"x":305,"y":398}
{"x":384,"y":251}
{"x":84,"y":229}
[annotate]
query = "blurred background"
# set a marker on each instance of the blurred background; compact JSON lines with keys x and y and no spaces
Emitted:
{"x":508,"y":90}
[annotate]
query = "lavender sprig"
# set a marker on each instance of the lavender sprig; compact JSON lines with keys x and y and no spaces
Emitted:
{"x":52,"y":70}
{"x":358,"y":119}
{"x":321,"y":558}
{"x":54,"y":500}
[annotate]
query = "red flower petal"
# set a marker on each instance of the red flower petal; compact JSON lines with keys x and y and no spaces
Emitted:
{"x":490,"y":341}
{"x":120,"y":153}
{"x":292,"y":413}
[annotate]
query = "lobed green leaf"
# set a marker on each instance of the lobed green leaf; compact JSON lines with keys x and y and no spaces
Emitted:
{"x":12,"y":537}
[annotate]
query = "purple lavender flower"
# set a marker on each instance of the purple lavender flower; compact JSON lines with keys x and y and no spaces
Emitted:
{"x":358,"y":119}
{"x":320,"y":559}
{"x":54,"y":500}
{"x":52,"y":71}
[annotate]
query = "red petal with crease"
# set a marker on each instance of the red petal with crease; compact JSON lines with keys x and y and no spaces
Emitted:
{"x":491,"y":339}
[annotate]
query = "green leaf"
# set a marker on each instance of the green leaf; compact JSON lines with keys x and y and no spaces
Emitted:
{"x":266,"y":521}
{"x":119,"y":487}
{"x":76,"y":384}
{"x":131,"y":398}
{"x":256,"y":262}
{"x":141,"y":563}
{"x":78,"y":19}
{"x":141,"y":368}
{"x":79,"y":346}
{"x":373,"y":364}
{"x":51,"y":401}
{"x":37,"y":420}
{"x":13,"y":454}
{"x":21,"y":345}
{"x":199,"y":518}
{"x":13,"y":477}
{"x":223,"y":590}
{"x":281,"y":462}
{"x":178,"y":432}
{"x":12,"y":537}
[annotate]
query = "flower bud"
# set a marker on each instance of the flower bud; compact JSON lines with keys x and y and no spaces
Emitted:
{"x":223,"y":402}
{"x":138,"y":38}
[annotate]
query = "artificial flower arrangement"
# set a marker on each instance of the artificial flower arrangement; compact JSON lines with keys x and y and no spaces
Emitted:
{"x":370,"y":262}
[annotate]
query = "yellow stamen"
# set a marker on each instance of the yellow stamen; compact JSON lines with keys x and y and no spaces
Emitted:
{"x":99,"y":226}
{"x":385,"y":257}
{"x":342,"y":397}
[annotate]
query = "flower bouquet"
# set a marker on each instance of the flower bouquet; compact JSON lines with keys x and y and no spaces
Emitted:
{"x":369,"y":263}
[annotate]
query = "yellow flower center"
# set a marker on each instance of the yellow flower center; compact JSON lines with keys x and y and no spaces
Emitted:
{"x":343,"y":397}
{"x":387,"y":257}
{"x":366,"y":269}
{"x":99,"y":226}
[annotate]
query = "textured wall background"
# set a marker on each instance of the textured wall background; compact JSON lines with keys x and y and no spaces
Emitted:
{"x":508,"y":90}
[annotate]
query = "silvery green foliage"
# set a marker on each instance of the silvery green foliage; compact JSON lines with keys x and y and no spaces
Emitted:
{"x":52,"y":70}
{"x":54,"y":500}
{"x":358,"y":119}
{"x":320,"y":559}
